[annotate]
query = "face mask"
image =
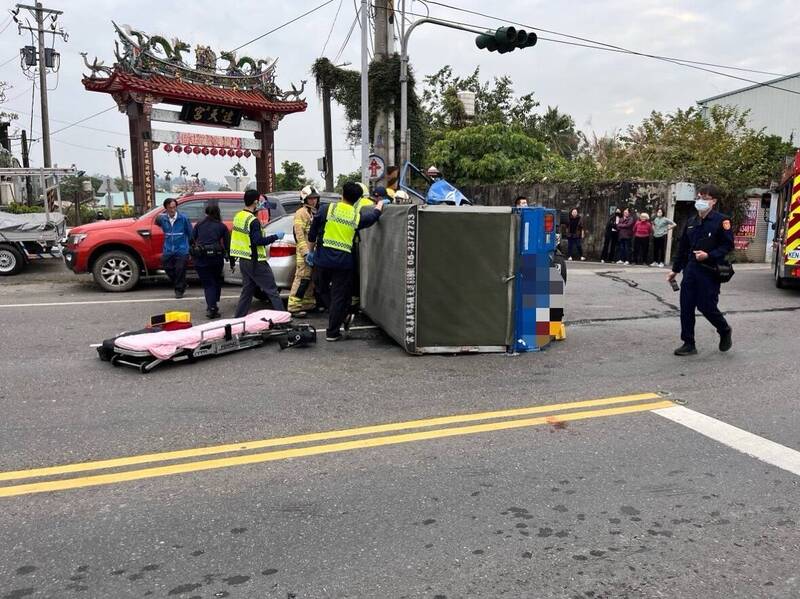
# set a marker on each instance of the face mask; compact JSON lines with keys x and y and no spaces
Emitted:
{"x":701,"y":205}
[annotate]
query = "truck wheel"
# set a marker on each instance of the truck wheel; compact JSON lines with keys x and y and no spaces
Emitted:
{"x":780,"y":282}
{"x":11,"y":260}
{"x":560,"y":265}
{"x":116,"y":270}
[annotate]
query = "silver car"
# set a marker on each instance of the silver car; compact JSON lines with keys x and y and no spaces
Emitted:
{"x":282,"y":253}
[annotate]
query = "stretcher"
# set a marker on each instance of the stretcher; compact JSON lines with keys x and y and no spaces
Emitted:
{"x":146,"y":350}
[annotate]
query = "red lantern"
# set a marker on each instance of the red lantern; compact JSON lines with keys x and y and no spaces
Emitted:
{"x":178,"y":148}
{"x":231,"y":153}
{"x":196,"y":150}
{"x":247,"y":153}
{"x":214,"y":151}
{"x":239,"y":153}
{"x":168,"y":148}
{"x":206,"y":151}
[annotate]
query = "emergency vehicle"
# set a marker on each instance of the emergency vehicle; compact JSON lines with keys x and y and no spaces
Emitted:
{"x":787,"y":227}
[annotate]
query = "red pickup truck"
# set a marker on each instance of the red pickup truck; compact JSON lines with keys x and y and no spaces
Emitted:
{"x":120,"y":252}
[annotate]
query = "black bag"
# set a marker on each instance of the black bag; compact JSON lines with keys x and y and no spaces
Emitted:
{"x":725,"y":272}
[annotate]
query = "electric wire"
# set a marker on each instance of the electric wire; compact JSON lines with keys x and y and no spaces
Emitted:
{"x":91,"y":116}
{"x":335,"y":18}
{"x":347,"y":39}
{"x":263,"y":35}
{"x":9,"y":60}
{"x":610,"y":48}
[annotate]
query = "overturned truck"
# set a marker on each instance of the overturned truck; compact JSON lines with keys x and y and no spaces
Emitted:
{"x":453,"y":279}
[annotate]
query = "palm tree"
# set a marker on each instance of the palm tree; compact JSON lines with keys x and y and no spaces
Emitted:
{"x":557,"y":130}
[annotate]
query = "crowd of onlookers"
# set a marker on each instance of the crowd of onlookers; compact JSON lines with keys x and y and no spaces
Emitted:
{"x":627,"y":237}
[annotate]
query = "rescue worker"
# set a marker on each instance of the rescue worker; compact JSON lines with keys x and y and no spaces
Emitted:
{"x":433,"y":173}
{"x":365,"y":201}
{"x":175,"y":252}
{"x":337,"y":226}
{"x":210,"y":243}
{"x":249,"y":246}
{"x":521,"y":202}
{"x":704,"y":243}
{"x":380,"y":193}
{"x":301,"y":297}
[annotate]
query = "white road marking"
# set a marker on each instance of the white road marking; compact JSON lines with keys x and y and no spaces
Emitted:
{"x":103,"y":302}
{"x":740,"y":440}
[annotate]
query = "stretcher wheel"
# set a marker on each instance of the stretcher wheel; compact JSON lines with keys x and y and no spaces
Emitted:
{"x":114,"y":360}
{"x":143,"y":368}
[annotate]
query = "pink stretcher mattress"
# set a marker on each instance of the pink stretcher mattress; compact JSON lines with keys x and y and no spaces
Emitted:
{"x":166,"y":344}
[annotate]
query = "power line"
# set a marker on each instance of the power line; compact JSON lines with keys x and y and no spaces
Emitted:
{"x":611,"y":48}
{"x":10,"y":59}
{"x":347,"y":39}
{"x":255,"y":39}
{"x":332,"y":26}
{"x":83,"y":120}
{"x":75,"y":125}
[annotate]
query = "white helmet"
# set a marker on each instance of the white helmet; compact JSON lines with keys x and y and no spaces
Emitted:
{"x":433,"y":172}
{"x":401,"y":197}
{"x":308,"y":191}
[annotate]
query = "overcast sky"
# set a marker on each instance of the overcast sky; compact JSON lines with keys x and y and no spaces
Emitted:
{"x":603,"y":91}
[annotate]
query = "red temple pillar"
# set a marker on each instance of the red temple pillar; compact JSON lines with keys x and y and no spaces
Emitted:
{"x":265,"y":159}
{"x":143,"y":172}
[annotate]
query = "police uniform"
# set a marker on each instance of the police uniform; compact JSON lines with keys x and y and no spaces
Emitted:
{"x":301,"y":296}
{"x":700,"y":285}
{"x":249,"y":246}
{"x":211,"y":241}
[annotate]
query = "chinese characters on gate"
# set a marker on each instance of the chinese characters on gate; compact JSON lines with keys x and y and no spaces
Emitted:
{"x":208,"y":114}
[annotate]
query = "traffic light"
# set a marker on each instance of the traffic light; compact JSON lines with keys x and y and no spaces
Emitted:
{"x":505,"y":39}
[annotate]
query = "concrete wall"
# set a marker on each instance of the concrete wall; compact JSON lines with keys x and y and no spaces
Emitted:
{"x":594,"y":205}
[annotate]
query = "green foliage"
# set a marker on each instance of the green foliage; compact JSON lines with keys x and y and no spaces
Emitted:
{"x":292,"y":178}
{"x":14,"y":208}
{"x":384,"y":96}
{"x":343,"y":178}
{"x":495,"y":103}
{"x":123,"y":184}
{"x":486,"y":153}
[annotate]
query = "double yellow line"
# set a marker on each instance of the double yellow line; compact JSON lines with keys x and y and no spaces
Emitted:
{"x":437,"y":428}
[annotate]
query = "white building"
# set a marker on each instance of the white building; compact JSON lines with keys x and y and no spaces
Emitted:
{"x":777,"y":111}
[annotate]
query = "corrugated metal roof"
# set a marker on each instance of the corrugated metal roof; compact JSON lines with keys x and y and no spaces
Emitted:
{"x":748,"y":88}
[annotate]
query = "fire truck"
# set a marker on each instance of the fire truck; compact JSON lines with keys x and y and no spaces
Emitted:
{"x":787,"y":227}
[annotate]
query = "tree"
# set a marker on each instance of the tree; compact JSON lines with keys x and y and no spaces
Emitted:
{"x":486,"y":153}
{"x":292,"y":178}
{"x":72,"y":186}
{"x":122,"y":184}
{"x":557,"y":130}
{"x":343,"y":178}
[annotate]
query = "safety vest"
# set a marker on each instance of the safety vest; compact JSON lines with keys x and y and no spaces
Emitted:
{"x":240,"y":238}
{"x":363,"y":202}
{"x":340,"y":227}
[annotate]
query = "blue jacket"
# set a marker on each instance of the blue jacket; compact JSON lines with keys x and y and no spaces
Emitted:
{"x":329,"y":257}
{"x":177,"y":236}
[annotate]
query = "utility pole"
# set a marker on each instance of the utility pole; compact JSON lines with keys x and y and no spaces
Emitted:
{"x":45,"y":58}
{"x":381,"y":131}
{"x":326,"y":120}
{"x":364,"y":91}
{"x":26,"y":164}
{"x":120,"y":157}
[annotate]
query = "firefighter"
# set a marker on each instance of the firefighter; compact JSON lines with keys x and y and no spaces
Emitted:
{"x":433,"y":173}
{"x":301,"y":297}
{"x":706,"y":240}
{"x":334,"y":230}
{"x":249,"y":246}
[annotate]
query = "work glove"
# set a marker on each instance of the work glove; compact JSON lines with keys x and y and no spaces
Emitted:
{"x":280,"y":234}
{"x":310,"y":258}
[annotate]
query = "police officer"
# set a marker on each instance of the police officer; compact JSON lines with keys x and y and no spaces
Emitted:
{"x":705,"y":242}
{"x":301,"y":297}
{"x":249,"y":246}
{"x":210,"y":243}
{"x":337,"y":226}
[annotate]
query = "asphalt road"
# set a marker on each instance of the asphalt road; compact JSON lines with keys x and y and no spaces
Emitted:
{"x":602,"y":499}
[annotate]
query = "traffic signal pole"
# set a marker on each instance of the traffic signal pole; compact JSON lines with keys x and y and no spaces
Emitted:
{"x":502,"y":40}
{"x":405,"y":137}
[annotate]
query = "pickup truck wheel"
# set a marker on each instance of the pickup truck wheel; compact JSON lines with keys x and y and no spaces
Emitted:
{"x":11,"y":260}
{"x":116,"y":270}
